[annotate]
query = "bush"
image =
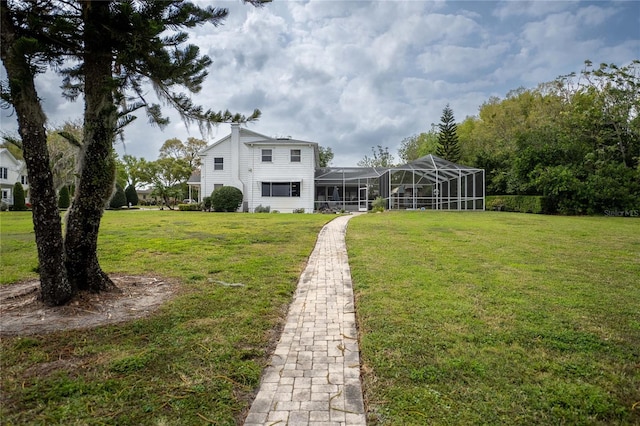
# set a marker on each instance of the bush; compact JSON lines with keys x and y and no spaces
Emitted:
{"x":226,"y":199}
{"x":132,"y":195}
{"x":517,"y":203}
{"x":378,"y":205}
{"x":193,"y":207}
{"x":261,"y":209}
{"x":118,"y":199}
{"x":206,"y":204}
{"x":18,"y":197}
{"x":301,"y":210}
{"x":3,"y":206}
{"x":64,"y":200}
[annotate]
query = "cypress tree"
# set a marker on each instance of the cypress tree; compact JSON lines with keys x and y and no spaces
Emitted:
{"x":18,"y":197}
{"x":64,"y":200}
{"x":132,"y":195}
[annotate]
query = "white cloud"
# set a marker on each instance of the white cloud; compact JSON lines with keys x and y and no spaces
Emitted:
{"x":354,"y":74}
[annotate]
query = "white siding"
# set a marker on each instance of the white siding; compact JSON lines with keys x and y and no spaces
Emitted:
{"x":248,"y":171}
{"x":209,"y":176}
{"x":281,"y":169}
{"x":15,"y":170}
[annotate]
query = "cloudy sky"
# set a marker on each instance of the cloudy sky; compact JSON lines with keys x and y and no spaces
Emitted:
{"x":352,"y":75}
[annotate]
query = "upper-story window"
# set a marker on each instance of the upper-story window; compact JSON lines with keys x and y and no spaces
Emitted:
{"x":295,"y":155}
{"x":24,"y":180}
{"x":267,"y":156}
{"x":218,"y":163}
{"x":4,"y":173}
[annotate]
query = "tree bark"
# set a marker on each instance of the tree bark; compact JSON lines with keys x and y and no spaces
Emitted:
{"x":55,"y":287}
{"x":97,"y":164}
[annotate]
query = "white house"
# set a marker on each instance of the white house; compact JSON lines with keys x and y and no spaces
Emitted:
{"x":271,"y":172}
{"x":12,"y":171}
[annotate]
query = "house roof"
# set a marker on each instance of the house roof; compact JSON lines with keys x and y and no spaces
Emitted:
{"x":4,"y":152}
{"x":194,"y":178}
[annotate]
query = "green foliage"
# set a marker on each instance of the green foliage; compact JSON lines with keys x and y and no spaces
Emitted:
{"x":131,"y":195}
{"x":64,"y":199}
{"x":378,"y":205}
{"x":448,"y":147}
{"x":575,"y":140}
{"x":516,"y":203}
{"x":119,"y":199}
{"x":206,"y":203}
{"x":381,"y":157}
{"x":226,"y":199}
{"x":193,"y":207}
{"x":301,"y":210}
{"x":262,"y":209}
{"x":18,"y":197}
{"x":416,"y":146}
{"x":325,"y":155}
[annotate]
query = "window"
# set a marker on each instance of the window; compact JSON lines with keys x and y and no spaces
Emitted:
{"x":5,"y":194}
{"x":280,"y":189}
{"x":218,"y":163}
{"x":295,"y":155}
{"x":24,"y":180}
{"x":267,"y":155}
{"x":3,"y":172}
{"x":217,"y":186}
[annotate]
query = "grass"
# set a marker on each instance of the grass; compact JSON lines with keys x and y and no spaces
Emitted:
{"x":498,"y":318}
{"x":195,"y":361}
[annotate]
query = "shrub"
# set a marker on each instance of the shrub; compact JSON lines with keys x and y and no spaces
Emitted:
{"x":118,"y":199}
{"x":131,"y":195}
{"x":64,"y":200}
{"x":18,"y":197}
{"x":378,"y":205}
{"x":3,"y":206}
{"x":206,"y":204}
{"x":226,"y":199}
{"x":517,"y":203}
{"x":193,"y":207}
{"x":261,"y":209}
{"x":301,"y":210}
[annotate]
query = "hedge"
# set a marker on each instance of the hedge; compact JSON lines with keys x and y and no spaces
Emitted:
{"x":193,"y":207}
{"x":517,"y":203}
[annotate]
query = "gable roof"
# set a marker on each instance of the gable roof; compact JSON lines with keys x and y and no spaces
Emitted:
{"x":243,"y":132}
{"x":4,"y":152}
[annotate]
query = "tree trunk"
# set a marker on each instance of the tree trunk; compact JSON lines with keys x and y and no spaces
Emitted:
{"x":97,"y":164}
{"x":55,"y":287}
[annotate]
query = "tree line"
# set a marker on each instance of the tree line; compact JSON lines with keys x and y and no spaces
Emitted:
{"x":574,"y":140}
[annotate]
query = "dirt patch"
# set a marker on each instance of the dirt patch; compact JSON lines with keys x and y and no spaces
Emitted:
{"x":22,"y":313}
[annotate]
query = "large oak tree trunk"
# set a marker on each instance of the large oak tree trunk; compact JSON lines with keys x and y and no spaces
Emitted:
{"x":97,"y":167}
{"x":55,"y":287}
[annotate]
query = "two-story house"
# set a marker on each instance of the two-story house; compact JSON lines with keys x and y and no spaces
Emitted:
{"x":271,"y":172}
{"x":12,"y":170}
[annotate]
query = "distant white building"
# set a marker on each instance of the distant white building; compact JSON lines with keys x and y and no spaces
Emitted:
{"x":12,"y":170}
{"x":270,"y":172}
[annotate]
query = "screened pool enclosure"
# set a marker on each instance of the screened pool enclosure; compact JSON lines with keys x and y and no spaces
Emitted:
{"x":428,"y":183}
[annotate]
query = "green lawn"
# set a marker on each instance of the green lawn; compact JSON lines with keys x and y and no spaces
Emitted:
{"x":198,"y":358}
{"x":498,"y":318}
{"x":465,"y":318}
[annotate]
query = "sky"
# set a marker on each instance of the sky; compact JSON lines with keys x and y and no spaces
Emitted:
{"x":352,"y":75}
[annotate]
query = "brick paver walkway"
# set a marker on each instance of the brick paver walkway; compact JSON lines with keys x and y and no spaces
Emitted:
{"x":314,"y":374}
